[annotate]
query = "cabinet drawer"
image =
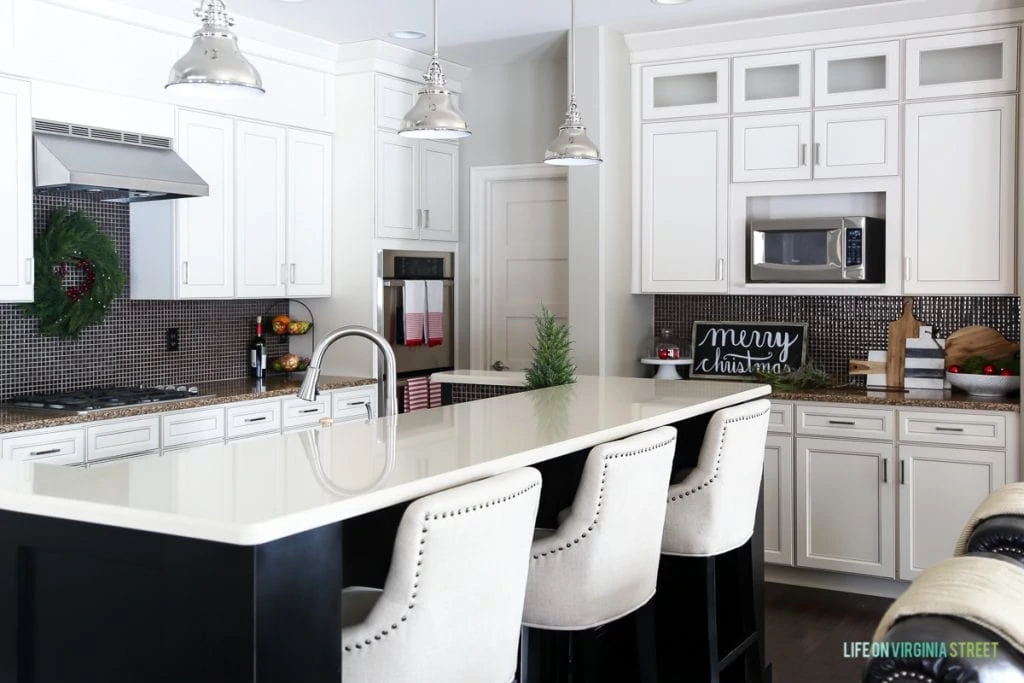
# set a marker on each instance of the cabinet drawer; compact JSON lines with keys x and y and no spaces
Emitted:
{"x":355,"y":405}
{"x":254,"y":418}
{"x":861,"y":423}
{"x":780,"y":418}
{"x":959,"y":429}
{"x":121,"y":438}
{"x":192,"y":427}
{"x":299,"y":413}
{"x":66,"y":446}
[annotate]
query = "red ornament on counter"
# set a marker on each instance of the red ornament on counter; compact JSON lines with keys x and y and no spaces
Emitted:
{"x":988,"y":370}
{"x":1006,"y":372}
{"x":953,"y":368}
{"x":663,"y":354}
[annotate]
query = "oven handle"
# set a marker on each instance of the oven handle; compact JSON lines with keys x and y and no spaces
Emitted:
{"x":401,"y":283}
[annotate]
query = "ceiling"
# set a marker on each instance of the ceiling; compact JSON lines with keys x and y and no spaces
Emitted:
{"x":470,"y":23}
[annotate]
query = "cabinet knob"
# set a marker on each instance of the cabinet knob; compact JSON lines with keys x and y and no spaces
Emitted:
{"x":499,"y":366}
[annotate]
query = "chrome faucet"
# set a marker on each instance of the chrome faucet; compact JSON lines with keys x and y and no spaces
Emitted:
{"x":309,"y":389}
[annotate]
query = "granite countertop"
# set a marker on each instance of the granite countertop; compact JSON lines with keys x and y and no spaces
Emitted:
{"x":210,"y":393}
{"x":920,"y":398}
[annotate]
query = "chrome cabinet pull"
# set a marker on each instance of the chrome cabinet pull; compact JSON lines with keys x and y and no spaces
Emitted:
{"x":184,"y":272}
{"x":293,"y":273}
{"x":885,"y":470}
{"x":803,"y":154}
{"x":48,"y":451}
{"x":903,"y":472}
{"x":817,"y":154}
{"x":30,"y":271}
{"x":249,"y":420}
{"x":843,"y":423}
{"x":307,"y":411}
{"x":426,"y":219}
{"x":949,"y":429}
{"x":721,"y":269}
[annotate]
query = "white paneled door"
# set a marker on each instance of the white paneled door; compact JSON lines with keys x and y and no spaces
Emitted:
{"x":16,"y":266}
{"x":527,"y":222}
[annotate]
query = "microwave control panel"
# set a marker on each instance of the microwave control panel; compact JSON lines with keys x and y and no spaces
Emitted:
{"x":854,"y":247}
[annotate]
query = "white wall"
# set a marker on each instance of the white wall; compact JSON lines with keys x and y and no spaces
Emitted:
{"x":609,"y":324}
{"x":514,"y":111}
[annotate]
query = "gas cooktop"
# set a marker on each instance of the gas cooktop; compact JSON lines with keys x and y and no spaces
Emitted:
{"x":85,"y":401}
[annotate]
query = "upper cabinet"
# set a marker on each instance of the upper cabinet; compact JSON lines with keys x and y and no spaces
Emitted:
{"x":857,"y":74}
{"x":771,"y":82}
{"x":960,"y":186}
{"x":771,"y":147}
{"x":854,"y":143}
{"x":962,"y":64}
{"x":687,"y":89}
{"x":394,"y":100}
{"x":310,"y":202}
{"x":685,"y":198}
{"x":17,"y":270}
{"x":260,"y":209}
{"x":417,"y":188}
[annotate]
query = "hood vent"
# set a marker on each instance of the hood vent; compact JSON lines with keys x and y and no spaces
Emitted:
{"x":117,"y":165}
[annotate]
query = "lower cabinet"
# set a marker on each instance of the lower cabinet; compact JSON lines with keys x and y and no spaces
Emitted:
{"x":939,"y":489}
{"x":845,"y":516}
{"x":778,"y":500}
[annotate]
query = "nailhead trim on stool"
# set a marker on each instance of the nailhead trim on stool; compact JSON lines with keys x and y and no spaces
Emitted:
{"x":433,"y":516}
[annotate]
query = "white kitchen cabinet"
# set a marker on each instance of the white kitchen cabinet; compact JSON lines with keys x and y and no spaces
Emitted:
{"x":778,"y":499}
{"x":438,"y":190}
{"x":417,"y":188}
{"x":355,"y":404}
{"x":63,"y":446}
{"x":684,"y":206}
{"x":299,"y":414}
{"x":960,"y":187}
{"x":962,"y":64}
{"x":939,"y":490}
{"x":830,"y":420}
{"x":771,"y":82}
{"x":857,"y":74}
{"x":672,"y":91}
{"x":191,"y":427}
{"x":17,"y":269}
{"x":852,"y":143}
{"x":119,"y":438}
{"x":771,"y":147}
{"x":845,"y":516}
{"x":310,"y":220}
{"x":395,"y":98}
{"x":260,"y":187}
{"x":205,"y":226}
{"x":256,"y":417}
{"x":397,"y":200}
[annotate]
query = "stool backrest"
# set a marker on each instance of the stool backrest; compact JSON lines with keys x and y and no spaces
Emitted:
{"x":602,"y":562}
{"x":713,"y":508}
{"x":453,"y":600}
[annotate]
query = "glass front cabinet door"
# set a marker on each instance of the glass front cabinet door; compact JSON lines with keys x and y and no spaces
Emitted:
{"x":857,"y":74}
{"x":672,"y":91}
{"x":962,"y":64}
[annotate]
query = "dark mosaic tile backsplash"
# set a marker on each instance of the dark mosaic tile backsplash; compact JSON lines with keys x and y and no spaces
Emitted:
{"x":128,"y":347}
{"x":840,"y":327}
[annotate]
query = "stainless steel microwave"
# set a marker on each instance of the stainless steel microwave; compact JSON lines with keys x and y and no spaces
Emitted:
{"x":849,"y":249}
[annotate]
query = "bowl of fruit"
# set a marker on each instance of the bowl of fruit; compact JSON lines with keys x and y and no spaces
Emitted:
{"x":980,"y":376}
{"x":289,"y":362}
{"x":283,"y":324}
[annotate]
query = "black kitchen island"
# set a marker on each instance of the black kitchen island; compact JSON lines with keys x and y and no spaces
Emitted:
{"x":226,"y":562}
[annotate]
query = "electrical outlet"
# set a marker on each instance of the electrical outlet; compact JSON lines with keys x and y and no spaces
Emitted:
{"x":171,"y":339}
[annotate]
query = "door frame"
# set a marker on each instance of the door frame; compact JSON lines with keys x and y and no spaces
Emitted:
{"x":481,"y":182}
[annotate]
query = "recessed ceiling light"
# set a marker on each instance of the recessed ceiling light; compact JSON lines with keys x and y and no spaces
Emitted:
{"x":408,"y":35}
{"x":669,"y":2}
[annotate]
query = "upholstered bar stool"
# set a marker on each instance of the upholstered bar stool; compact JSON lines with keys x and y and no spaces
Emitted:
{"x":711,"y":511}
{"x":601,"y":563}
{"x":997,"y":525}
{"x":451,"y":607}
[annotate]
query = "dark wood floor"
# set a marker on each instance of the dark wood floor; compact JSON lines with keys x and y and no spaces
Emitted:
{"x":807,"y":628}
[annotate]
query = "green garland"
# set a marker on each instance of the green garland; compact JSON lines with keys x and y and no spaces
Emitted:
{"x":73,"y":240}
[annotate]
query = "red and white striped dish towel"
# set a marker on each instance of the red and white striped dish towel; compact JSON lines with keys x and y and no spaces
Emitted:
{"x":417,"y":394}
{"x":414,"y":304}
{"x":435,"y":312}
{"x":421,"y":393}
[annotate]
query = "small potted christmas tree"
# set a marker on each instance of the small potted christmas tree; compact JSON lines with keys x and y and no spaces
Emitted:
{"x":552,"y":365}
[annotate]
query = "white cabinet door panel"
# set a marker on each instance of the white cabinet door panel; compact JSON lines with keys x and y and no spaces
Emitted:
{"x":970,"y":63}
{"x":685,"y":203}
{"x":772,"y":147}
{"x":310,"y":205}
{"x":778,"y":500}
{"x":260,"y":180}
{"x":960,"y":187}
{"x":855,"y":74}
{"x":850,"y":143}
{"x":397,"y":170}
{"x":122,"y":437}
{"x":394,"y":100}
{"x":253,"y":418}
{"x":845,"y":517}
{"x":939,"y":490}
{"x":769,"y":82}
{"x":439,"y":196}
{"x":206,"y":225}
{"x":673,"y":91}
{"x":16,"y":265}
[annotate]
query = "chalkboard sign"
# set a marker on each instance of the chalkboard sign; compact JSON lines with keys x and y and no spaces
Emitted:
{"x":737,"y":350}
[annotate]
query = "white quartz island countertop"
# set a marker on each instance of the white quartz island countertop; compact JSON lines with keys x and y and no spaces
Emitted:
{"x":259,"y":490}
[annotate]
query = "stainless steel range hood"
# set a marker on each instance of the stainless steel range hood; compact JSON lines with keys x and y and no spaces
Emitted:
{"x":116,"y":165}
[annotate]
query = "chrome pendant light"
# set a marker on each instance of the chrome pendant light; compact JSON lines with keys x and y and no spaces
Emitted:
{"x":572,"y":147}
{"x":435,"y":116}
{"x":214,"y":66}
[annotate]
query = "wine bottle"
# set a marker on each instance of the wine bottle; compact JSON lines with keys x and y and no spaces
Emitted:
{"x":258,"y":352}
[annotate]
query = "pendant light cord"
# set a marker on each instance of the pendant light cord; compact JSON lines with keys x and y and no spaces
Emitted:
{"x":435,"y":29}
{"x":572,"y":49}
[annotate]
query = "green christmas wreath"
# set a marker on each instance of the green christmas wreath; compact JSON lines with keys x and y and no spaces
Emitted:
{"x":73,"y":240}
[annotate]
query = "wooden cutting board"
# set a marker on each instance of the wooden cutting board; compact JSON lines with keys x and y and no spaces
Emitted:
{"x":977,"y":340}
{"x":907,"y":327}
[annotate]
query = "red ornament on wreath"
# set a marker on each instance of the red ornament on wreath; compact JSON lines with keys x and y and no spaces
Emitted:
{"x":88,"y":277}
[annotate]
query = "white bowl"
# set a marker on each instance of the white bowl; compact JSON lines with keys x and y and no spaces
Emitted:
{"x":984,"y":385}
